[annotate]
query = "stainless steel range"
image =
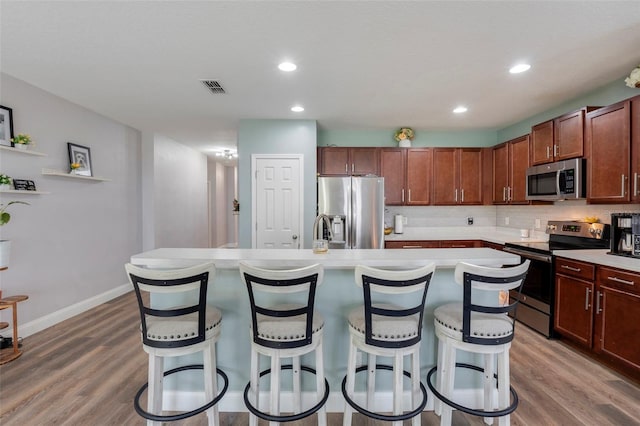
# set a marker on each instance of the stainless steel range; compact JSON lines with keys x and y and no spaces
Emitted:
{"x":536,"y":307}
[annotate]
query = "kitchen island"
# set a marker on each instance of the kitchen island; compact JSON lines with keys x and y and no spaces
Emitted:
{"x":335,"y":297}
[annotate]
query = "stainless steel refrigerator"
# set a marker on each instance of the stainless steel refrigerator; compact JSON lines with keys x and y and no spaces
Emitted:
{"x":355,"y":206}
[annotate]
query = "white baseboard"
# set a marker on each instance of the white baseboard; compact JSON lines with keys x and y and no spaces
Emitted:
{"x":233,"y":401}
{"x":53,"y":318}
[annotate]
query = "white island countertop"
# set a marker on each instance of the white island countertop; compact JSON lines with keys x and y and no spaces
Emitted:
{"x":334,"y":259}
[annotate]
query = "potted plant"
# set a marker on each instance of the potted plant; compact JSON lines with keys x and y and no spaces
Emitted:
{"x":5,"y":182}
{"x":404,"y":136}
{"x":5,"y":245}
{"x":634,"y":78}
{"x":21,"y":141}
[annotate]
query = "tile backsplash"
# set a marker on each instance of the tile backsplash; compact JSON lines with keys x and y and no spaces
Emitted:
{"x":519,"y":217}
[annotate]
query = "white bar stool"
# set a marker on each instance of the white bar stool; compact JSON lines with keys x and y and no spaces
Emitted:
{"x":190,"y":327}
{"x":284,"y":328}
{"x":390,"y":329}
{"x":482,"y":328}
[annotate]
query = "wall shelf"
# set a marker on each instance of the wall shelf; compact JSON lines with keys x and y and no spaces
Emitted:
{"x":60,"y":173}
{"x":22,"y":151}
{"x":22,"y":191}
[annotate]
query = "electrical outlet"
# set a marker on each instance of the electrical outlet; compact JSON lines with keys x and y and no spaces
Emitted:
{"x":405,"y":220}
{"x":537,"y":223}
{"x":469,"y":221}
{"x":506,"y":220}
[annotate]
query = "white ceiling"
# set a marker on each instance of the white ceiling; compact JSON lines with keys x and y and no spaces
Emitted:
{"x":361,"y":65}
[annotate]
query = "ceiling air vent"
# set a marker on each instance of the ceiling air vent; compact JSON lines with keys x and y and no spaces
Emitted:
{"x":214,"y":86}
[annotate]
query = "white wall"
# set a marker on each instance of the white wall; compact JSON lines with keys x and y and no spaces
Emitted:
{"x":180,"y":195}
{"x":70,"y":245}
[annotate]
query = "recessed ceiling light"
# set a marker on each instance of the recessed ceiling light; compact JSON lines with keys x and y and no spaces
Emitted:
{"x":287,"y":66}
{"x":460,"y":109}
{"x":297,"y":108}
{"x":517,"y":69}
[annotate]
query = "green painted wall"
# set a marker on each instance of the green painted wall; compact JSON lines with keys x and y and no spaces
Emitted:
{"x":276,"y":137}
{"x":602,"y":96}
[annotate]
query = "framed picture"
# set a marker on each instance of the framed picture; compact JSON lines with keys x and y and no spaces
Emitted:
{"x":6,"y":126}
{"x":24,"y":185}
{"x":80,"y":155}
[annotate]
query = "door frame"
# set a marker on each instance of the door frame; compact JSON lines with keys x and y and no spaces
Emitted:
{"x":254,"y":194}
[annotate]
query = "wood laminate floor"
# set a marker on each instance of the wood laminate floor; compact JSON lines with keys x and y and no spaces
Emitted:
{"x":86,"y":371}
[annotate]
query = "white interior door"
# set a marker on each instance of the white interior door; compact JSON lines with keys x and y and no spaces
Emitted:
{"x":277,"y":201}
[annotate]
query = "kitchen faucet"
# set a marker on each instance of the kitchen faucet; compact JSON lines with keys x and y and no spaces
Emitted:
{"x":327,"y":223}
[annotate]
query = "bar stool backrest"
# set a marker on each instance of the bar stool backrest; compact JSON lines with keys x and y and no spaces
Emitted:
{"x":178,"y":282}
{"x":282,"y":282}
{"x":492,"y":279}
{"x":393,"y":282}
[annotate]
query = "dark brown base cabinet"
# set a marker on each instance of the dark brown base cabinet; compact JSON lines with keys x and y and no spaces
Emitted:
{"x":598,"y":308}
{"x":432,"y":244}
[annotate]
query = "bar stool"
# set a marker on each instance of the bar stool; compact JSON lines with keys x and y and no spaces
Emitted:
{"x":284,"y":329}
{"x":389,"y":329}
{"x":479,"y":324}
{"x":184,"y":328}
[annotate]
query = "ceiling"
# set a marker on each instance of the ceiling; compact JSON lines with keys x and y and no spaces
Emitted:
{"x":361,"y":65}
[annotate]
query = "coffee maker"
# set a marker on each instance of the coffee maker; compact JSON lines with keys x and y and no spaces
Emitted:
{"x":625,"y":230}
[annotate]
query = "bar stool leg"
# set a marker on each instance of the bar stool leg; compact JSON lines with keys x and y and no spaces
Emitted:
{"x":275,"y":387}
{"x":211,"y":383}
{"x":255,"y":385}
{"x":350,"y":385}
{"x":437,"y":404}
{"x":296,"y":384}
{"x":371,"y":381}
{"x":449,"y":368}
{"x":154,"y":391}
{"x":398,"y":368}
{"x":504,"y":393}
{"x":415,"y":384}
{"x":489,"y":386}
{"x":322,"y":412}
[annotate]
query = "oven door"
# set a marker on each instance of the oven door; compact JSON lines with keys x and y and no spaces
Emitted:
{"x":536,"y":297}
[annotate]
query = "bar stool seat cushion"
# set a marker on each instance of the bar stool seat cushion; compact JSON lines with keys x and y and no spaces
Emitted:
{"x":287,"y":328}
{"x":449,"y":317}
{"x":183,"y":327}
{"x":384,"y":327}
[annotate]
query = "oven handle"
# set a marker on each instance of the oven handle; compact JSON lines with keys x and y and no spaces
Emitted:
{"x":528,"y":254}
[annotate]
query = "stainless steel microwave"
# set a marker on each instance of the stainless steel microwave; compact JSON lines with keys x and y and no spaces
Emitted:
{"x":562,"y":180}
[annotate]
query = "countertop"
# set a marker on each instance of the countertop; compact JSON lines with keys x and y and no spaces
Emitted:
{"x":600,"y":257}
{"x":334,"y":259}
{"x":494,"y":234}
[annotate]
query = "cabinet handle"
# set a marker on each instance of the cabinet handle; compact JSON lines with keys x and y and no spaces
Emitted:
{"x":508,"y":193}
{"x":623,"y":185}
{"x":456,"y":195}
{"x":403,"y":195}
{"x":556,"y":150}
{"x":620,"y":280}
{"x":353,"y":167}
{"x":411,"y":247}
{"x":571,"y":268}
{"x":409,"y":195}
{"x":586,"y":298}
{"x":504,"y":193}
{"x":462,"y":195}
{"x":598,"y":296}
{"x":635,"y":184}
{"x":346,"y":168}
{"x":548,"y":151}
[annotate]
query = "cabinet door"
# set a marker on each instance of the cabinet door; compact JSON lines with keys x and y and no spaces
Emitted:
{"x":445,"y":176}
{"x":418,"y":176}
{"x":635,"y":149}
{"x":618,"y":328}
{"x":518,"y":162}
{"x":608,"y":138}
{"x":542,"y":143}
{"x":470,"y":176}
{"x":500,"y":173}
{"x":334,"y":161}
{"x":392,"y":168}
{"x":364,"y":161}
{"x":569,"y":135}
{"x":574,"y":309}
